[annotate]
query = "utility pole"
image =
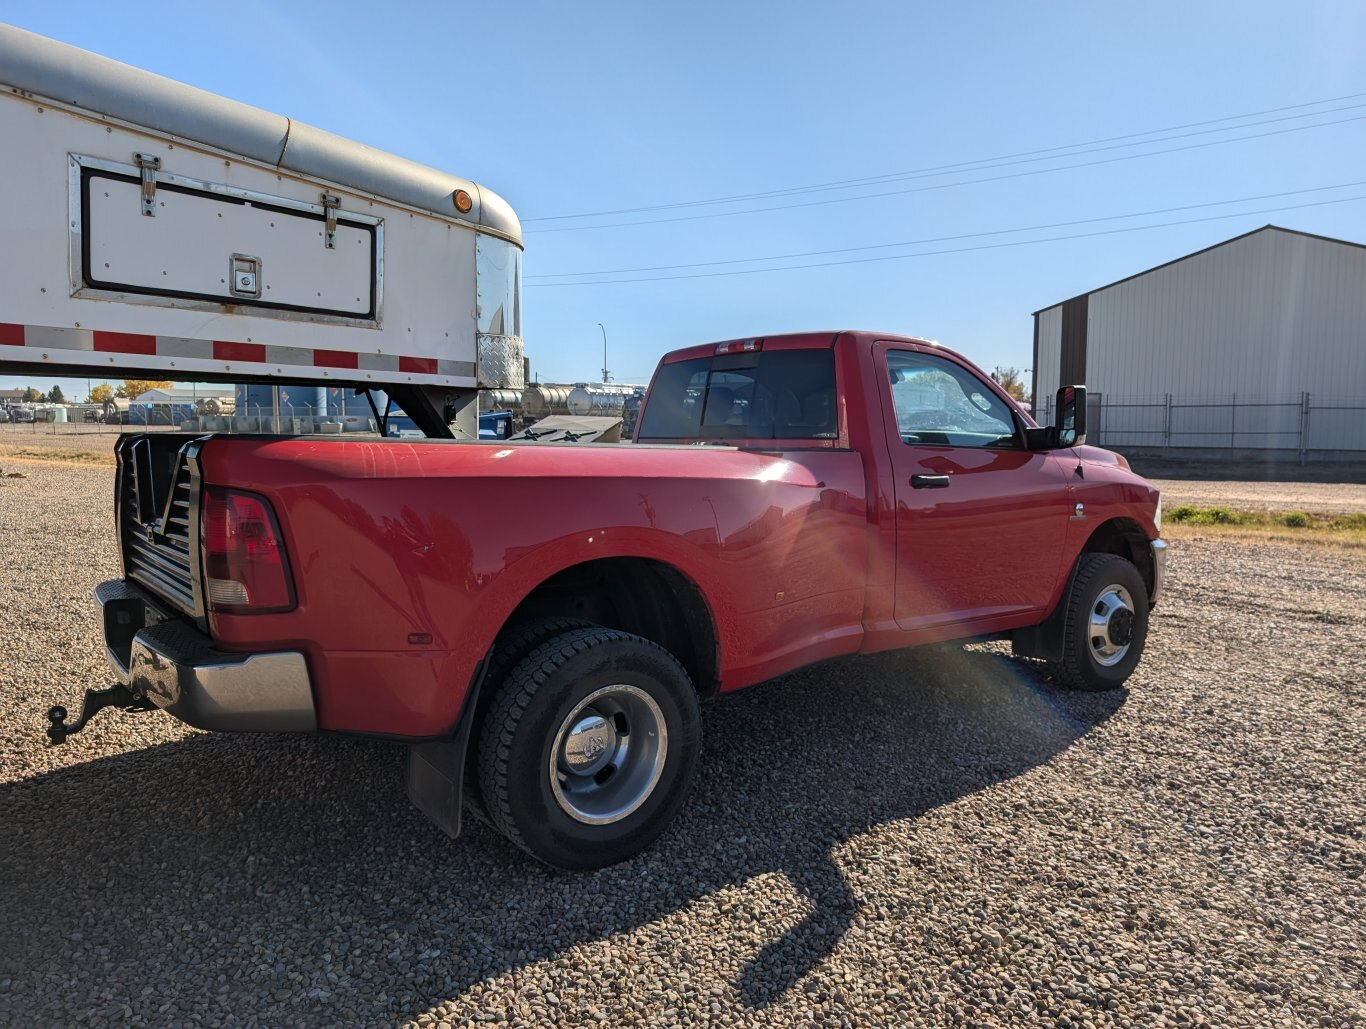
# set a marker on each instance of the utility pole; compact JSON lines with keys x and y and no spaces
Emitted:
{"x":605,"y":376}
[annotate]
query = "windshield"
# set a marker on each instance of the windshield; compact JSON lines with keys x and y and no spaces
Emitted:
{"x":783,"y":394}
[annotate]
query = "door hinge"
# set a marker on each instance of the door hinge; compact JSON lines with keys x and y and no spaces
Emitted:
{"x":149,"y":165}
{"x":330,"y":205}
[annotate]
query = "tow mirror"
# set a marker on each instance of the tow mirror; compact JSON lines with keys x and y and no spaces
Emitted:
{"x":1069,"y":418}
{"x":1069,"y":422}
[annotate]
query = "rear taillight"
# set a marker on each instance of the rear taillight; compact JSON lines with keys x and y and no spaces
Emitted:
{"x":245,"y":569}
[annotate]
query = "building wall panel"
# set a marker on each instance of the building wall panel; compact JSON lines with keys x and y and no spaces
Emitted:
{"x":1048,"y":329}
{"x":1263,"y":319}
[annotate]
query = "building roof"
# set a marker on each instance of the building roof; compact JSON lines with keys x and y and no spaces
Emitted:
{"x":173,"y":394}
{"x":1206,"y":250}
{"x":11,"y":394}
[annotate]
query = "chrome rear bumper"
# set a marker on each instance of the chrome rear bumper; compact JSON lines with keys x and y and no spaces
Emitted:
{"x":176,"y":667}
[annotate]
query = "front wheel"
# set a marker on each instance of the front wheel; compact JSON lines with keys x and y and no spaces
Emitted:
{"x":1106,"y":625}
{"x":588,"y":748}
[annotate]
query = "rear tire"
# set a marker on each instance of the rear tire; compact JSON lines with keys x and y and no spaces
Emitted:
{"x":588,"y":749}
{"x":1106,"y":625}
{"x":513,"y":645}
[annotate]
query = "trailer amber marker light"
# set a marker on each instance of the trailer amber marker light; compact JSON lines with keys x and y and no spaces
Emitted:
{"x":463,"y":201}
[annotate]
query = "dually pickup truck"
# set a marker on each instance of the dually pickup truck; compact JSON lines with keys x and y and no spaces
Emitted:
{"x":540,"y":621}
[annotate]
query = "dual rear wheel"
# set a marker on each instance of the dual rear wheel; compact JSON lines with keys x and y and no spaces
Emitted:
{"x":587,"y":747}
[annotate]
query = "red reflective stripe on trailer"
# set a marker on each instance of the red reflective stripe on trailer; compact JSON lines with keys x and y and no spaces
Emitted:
{"x":418,"y":365}
{"x":335,"y":359}
{"x":225,"y":350}
{"x":11,"y":335}
{"x":125,"y":343}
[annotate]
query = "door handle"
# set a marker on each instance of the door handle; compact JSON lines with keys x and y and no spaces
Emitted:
{"x":929,"y":482}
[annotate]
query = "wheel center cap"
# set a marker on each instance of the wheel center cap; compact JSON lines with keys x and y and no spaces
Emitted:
{"x":589,"y":744}
{"x":1121,"y":628}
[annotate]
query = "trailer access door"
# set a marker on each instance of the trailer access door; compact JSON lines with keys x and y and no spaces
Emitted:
{"x":217,"y":244}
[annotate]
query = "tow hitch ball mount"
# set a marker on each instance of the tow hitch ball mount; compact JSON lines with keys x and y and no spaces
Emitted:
{"x":119,"y":696}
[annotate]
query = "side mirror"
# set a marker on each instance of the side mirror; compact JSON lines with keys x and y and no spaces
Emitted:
{"x":1069,"y":418}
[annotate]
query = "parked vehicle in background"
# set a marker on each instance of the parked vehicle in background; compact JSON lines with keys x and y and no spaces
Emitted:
{"x":22,"y":414}
{"x":303,"y":259}
{"x":4,"y":414}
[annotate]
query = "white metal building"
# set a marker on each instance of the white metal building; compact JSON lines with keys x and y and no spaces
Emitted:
{"x":1256,"y":343}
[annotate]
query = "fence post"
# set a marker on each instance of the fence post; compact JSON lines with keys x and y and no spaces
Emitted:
{"x":1167,"y":425}
{"x":1304,"y":427}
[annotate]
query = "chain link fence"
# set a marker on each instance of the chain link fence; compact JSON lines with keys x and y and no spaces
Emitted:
{"x":1299,"y":423}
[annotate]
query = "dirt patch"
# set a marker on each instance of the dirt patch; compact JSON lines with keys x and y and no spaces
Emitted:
{"x":1314,"y":497}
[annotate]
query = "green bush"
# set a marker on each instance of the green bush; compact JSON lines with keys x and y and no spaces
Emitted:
{"x":1355,"y":522}
{"x":1183,"y":513}
{"x":1297,"y":520}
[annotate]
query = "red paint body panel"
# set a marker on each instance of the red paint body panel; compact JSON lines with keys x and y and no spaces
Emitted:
{"x":801,"y":553}
{"x":390,"y":538}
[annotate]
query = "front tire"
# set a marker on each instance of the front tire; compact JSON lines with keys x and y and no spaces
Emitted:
{"x":1106,"y":626}
{"x":589,"y":747}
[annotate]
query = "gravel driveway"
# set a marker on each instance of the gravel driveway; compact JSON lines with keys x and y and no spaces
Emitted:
{"x":938,"y":838}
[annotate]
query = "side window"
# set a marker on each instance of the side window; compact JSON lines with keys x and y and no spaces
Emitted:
{"x":779,"y":394}
{"x":939,"y":403}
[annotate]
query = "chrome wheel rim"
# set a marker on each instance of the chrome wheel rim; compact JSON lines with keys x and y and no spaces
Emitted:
{"x":1111,"y":629}
{"x":608,"y":755}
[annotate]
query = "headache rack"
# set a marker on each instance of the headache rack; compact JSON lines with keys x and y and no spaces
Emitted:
{"x":157,"y":512}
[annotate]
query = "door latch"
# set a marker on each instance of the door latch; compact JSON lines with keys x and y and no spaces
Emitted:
{"x":330,"y":205}
{"x":244,"y":276}
{"x":148,"y":165}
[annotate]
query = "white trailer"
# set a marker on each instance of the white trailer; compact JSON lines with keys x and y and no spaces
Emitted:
{"x":163,"y":231}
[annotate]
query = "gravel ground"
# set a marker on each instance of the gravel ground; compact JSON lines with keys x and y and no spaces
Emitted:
{"x":941,"y":838}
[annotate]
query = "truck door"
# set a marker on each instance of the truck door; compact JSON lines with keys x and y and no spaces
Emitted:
{"x":980,"y":521}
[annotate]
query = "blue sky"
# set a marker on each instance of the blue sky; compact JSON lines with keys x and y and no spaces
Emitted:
{"x":573,"y":108}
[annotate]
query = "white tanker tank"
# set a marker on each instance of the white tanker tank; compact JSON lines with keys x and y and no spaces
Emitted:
{"x":599,"y":398}
{"x":501,"y":400}
{"x":214,"y":406}
{"x":540,"y":401}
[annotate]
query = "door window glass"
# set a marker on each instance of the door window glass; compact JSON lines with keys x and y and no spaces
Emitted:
{"x":940,"y":403}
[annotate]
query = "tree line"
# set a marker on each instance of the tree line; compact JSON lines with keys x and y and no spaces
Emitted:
{"x":100,"y":394}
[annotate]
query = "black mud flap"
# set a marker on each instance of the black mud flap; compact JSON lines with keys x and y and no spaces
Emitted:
{"x":435,"y":780}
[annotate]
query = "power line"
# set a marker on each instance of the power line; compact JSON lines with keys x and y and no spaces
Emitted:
{"x":969,"y":165}
{"x":953,"y":185}
{"x":942,"y":239}
{"x":954,"y":250}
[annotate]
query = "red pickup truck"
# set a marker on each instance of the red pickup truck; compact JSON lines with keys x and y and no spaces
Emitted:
{"x":540,"y":622}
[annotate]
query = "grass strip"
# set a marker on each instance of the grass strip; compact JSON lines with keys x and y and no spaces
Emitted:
{"x":54,"y":455}
{"x":1196,"y":515}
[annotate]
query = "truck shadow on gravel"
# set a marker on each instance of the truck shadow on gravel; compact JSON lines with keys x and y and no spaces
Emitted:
{"x":288,"y":877}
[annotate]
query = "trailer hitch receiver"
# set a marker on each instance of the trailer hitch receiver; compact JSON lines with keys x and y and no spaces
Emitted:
{"x":119,"y":696}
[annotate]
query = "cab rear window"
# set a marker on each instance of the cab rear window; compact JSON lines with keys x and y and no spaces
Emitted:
{"x":778,"y":394}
